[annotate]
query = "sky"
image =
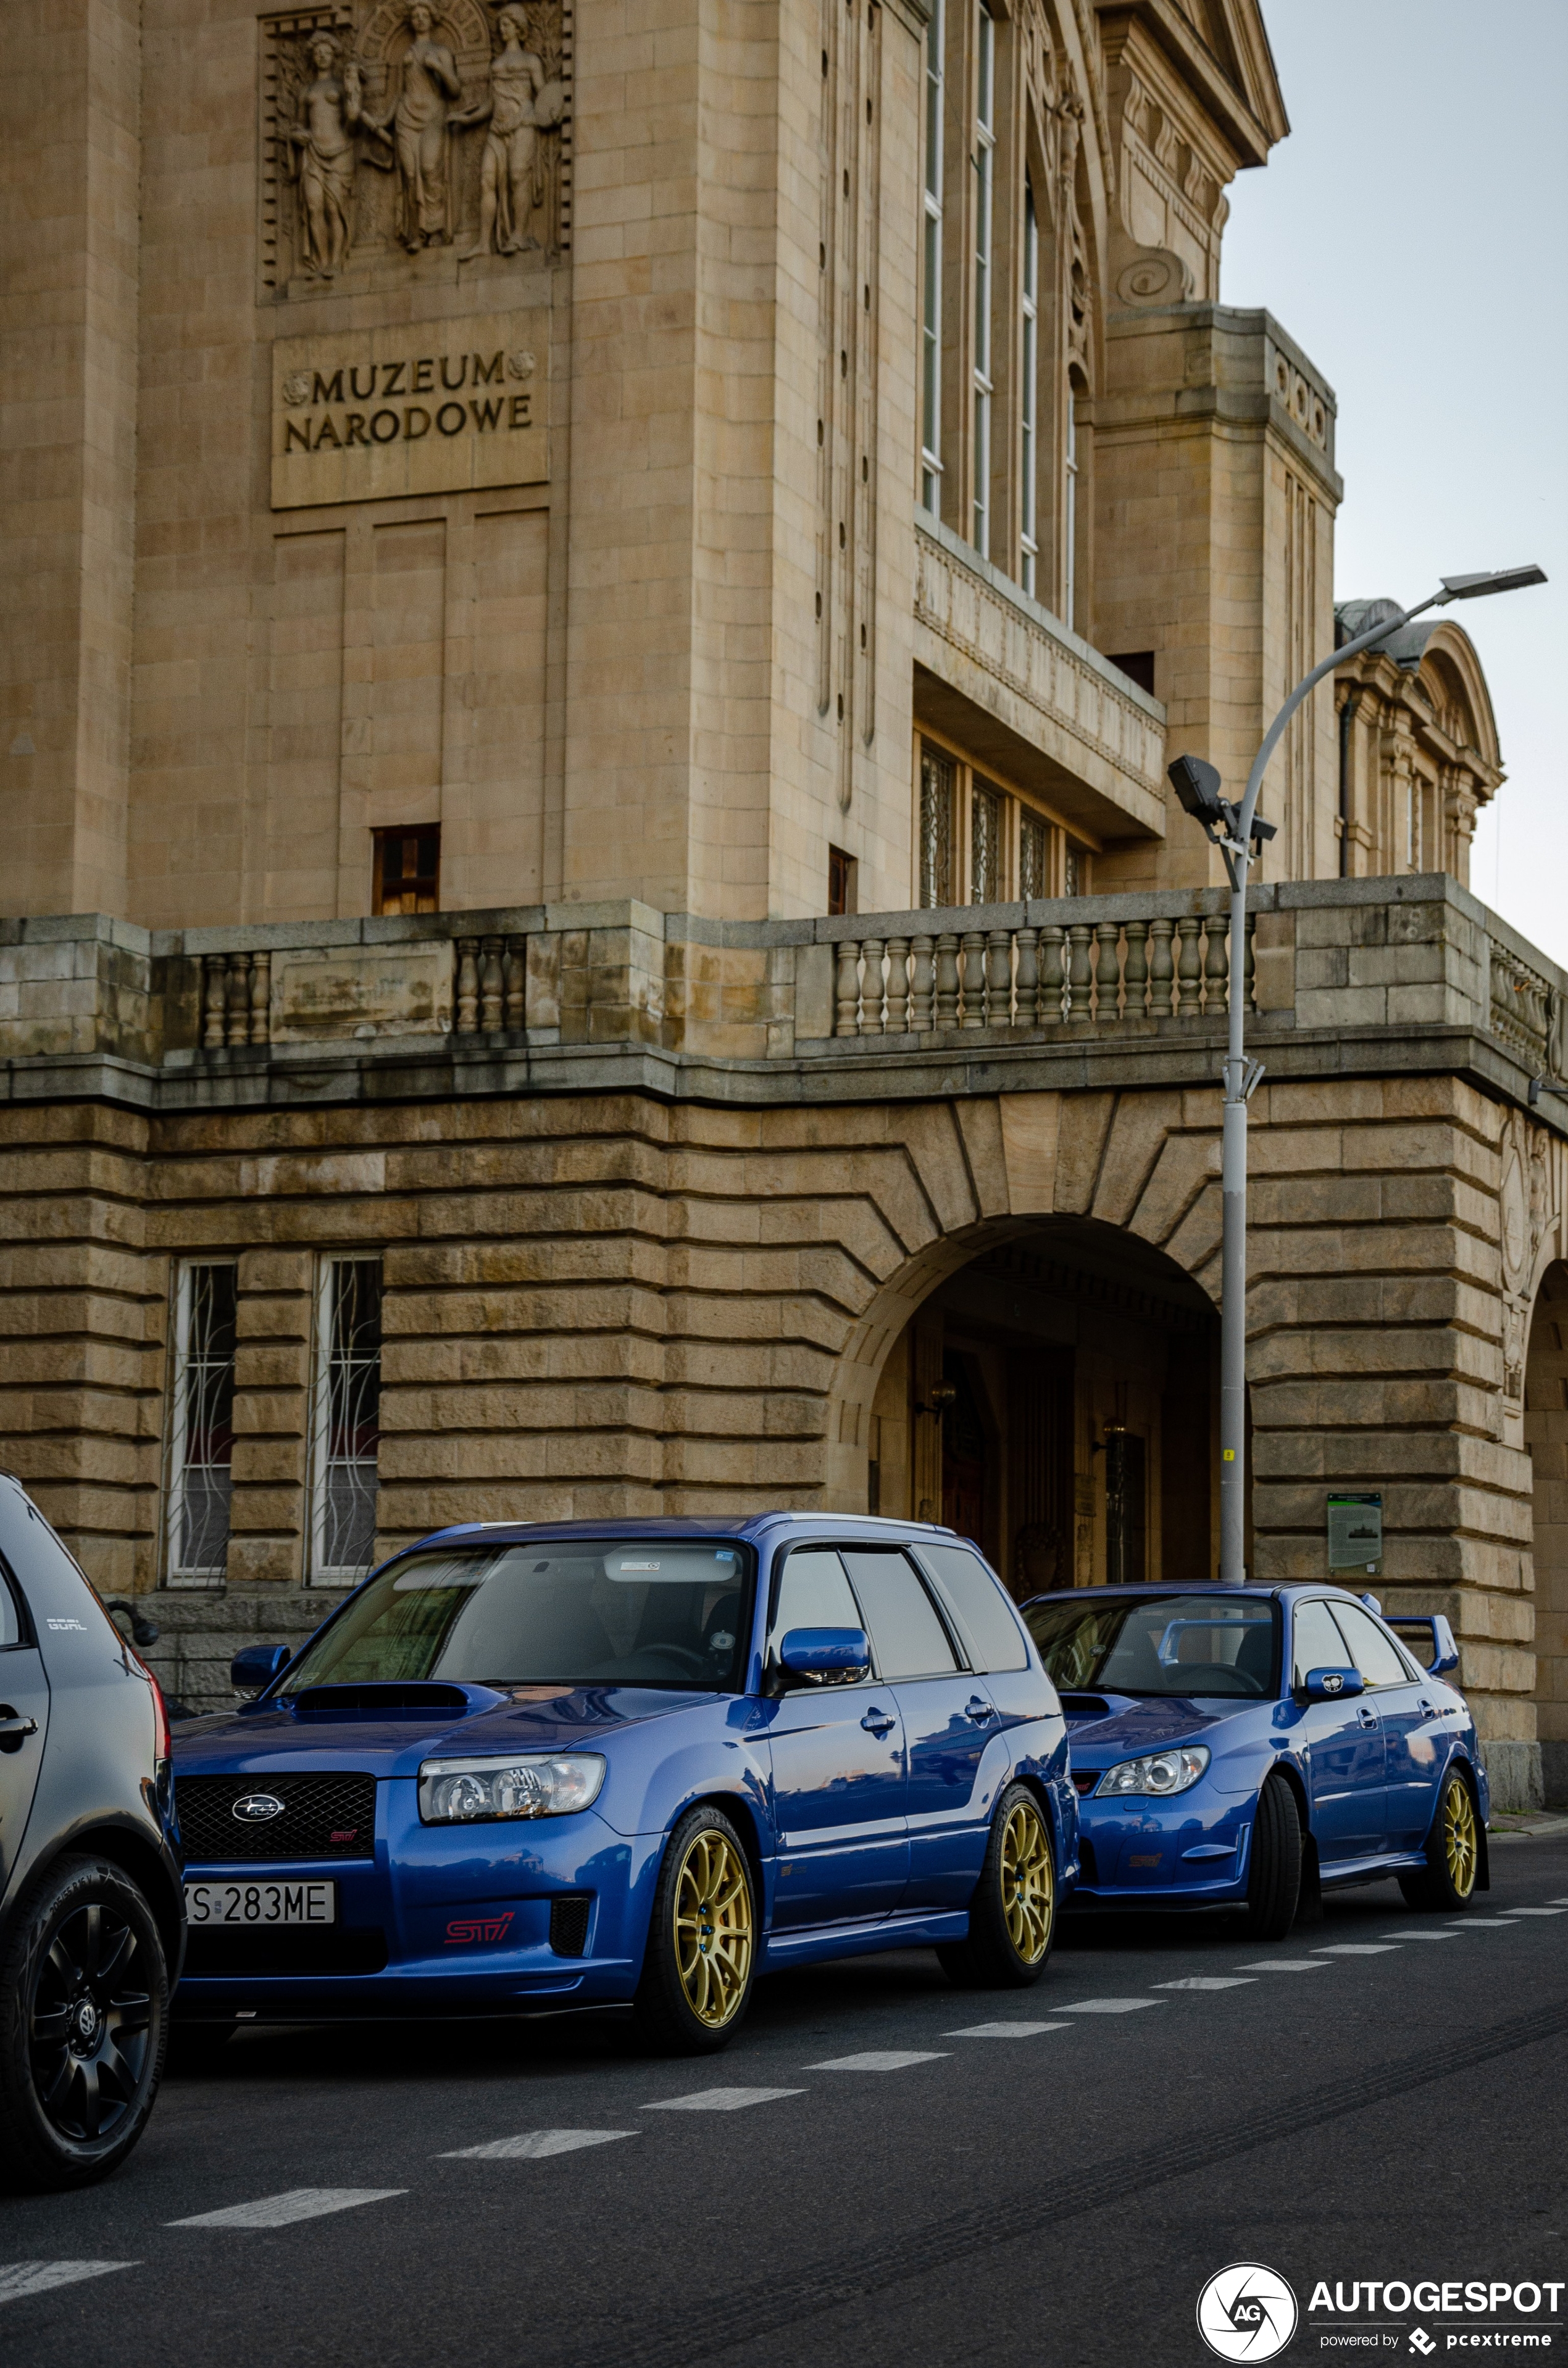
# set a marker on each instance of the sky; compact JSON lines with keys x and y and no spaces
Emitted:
{"x":1411,"y":235}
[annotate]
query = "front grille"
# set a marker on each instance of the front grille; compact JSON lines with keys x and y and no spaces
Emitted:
{"x":568,"y":1924}
{"x":283,"y":1951}
{"x":323,"y":1816}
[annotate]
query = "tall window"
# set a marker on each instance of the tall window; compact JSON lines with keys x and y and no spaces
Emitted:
{"x":345,"y":1419}
{"x":1030,"y":359}
{"x":408,"y":871}
{"x":1070,"y":512}
{"x":984,"y":845}
{"x":939,"y":789}
{"x":931,"y":305}
{"x":1034,"y":857}
{"x":201,"y":1432}
{"x":984,"y":161}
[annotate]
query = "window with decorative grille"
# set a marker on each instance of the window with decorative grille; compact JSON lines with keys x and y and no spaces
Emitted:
{"x":938,"y":792}
{"x":1034,"y":857}
{"x":346,"y":1425}
{"x":201,"y":1428}
{"x":984,"y":845}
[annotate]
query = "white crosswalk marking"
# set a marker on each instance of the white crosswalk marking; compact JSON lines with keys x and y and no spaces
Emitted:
{"x":533,"y":2146}
{"x":1535,"y":1911}
{"x":21,"y":2278}
{"x":719,"y":2100}
{"x":295,"y":2203}
{"x":1359,"y":1949}
{"x":1286,"y":1965}
{"x":1208,"y":1982}
{"x":1109,"y":2005}
{"x":1418,"y":1936}
{"x":880,"y":2059}
{"x":1006,"y":2030}
{"x":1480,"y":1924}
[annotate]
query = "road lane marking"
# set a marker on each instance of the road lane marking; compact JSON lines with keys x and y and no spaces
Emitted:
{"x":1208,"y":1982}
{"x":880,"y":2059}
{"x":1480,"y":1924}
{"x":1418,"y":1936}
{"x":1359,"y":1949}
{"x":295,"y":2203}
{"x":1109,"y":2005}
{"x":1535,"y":1911}
{"x":21,"y":2278}
{"x":532,"y":2146}
{"x":719,"y":2100}
{"x":1006,"y":2030}
{"x":1287,"y":1966}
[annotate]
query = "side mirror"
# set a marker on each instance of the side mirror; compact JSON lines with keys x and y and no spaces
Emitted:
{"x":1332,"y":1685}
{"x":254,"y":1667}
{"x":822,"y":1656}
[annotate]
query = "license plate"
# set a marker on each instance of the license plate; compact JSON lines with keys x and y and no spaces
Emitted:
{"x":211,"y":1904}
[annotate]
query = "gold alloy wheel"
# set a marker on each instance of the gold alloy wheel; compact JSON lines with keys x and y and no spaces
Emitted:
{"x":1028,"y":1893}
{"x":713,"y":1912}
{"x":1459,"y":1836}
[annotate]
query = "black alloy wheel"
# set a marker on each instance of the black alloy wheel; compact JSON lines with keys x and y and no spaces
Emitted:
{"x":83,"y":2022}
{"x":1274,"y":1886}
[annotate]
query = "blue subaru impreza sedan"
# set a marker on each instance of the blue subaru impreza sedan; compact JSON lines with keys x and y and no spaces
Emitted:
{"x":523,"y":1769}
{"x":1252,"y":1747}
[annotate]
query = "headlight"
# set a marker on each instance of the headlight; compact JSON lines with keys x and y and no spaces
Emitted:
{"x":459,"y":1791}
{"x":1165,"y":1772}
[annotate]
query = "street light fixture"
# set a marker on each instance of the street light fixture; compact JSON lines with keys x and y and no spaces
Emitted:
{"x":1236,"y":831}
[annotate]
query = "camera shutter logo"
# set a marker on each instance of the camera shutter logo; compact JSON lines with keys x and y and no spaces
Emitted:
{"x":1246,"y":2311}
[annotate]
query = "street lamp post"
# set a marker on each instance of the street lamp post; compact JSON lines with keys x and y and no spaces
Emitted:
{"x":1234,"y":830}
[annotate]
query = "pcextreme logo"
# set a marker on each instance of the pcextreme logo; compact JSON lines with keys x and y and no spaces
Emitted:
{"x":1246,"y":2311}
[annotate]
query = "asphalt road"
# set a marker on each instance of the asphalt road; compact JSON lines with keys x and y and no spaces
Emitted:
{"x":1053,"y":2189}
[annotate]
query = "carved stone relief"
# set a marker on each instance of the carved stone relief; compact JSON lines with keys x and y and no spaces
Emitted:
{"x":1530,"y":1208}
{"x":430,"y":136}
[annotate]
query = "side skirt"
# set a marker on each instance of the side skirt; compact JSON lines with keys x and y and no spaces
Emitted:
{"x":815,"y":1943}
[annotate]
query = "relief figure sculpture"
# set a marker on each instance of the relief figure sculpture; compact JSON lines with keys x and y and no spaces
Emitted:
{"x":323,"y":147}
{"x":421,"y":120}
{"x":511,"y":171}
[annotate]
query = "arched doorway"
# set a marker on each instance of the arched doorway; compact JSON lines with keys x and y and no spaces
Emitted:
{"x":1546,"y":1436}
{"x":1053,"y":1394}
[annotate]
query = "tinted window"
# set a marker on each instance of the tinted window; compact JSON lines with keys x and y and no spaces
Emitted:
{"x":1193,"y":1646}
{"x":909,"y":1639}
{"x":969,"y":1591}
{"x":10,"y":1625}
{"x":667,"y":1612}
{"x":1318,"y":1644}
{"x":1370,"y":1651}
{"x":815,"y":1593}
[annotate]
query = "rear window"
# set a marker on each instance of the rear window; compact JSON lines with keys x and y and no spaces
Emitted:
{"x":982,"y":1615}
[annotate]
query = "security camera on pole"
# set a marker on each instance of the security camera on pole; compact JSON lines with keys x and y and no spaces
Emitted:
{"x":1236,"y":831}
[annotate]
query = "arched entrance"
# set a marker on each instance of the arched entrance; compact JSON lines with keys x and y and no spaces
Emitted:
{"x":1048,"y":1386}
{"x":1546,"y":1436}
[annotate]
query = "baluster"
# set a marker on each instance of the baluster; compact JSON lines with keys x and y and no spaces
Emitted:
{"x":948,"y":980}
{"x":214,"y":996}
{"x":974,"y":978}
{"x":1135,"y":976}
{"x":490,"y":988}
{"x":922,"y":984}
{"x":1107,"y":972}
{"x":516,"y":973}
{"x":1216,"y":964}
{"x":898,"y":985}
{"x":468,"y":986}
{"x":1080,"y":974}
{"x":260,"y":998}
{"x":999,"y":978}
{"x":238,"y":1031}
{"x":847,"y":1022}
{"x":1053,"y":974}
{"x":1249,"y":965}
{"x":1189,"y":972}
{"x":1161,"y":976}
{"x":1027,"y":1014}
{"x":871,"y":992}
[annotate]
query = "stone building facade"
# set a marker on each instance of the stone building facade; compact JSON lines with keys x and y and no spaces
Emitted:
{"x":597,"y":596}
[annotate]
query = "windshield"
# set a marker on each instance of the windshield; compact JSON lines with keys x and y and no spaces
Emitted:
{"x":586,"y":1612}
{"x":1183,"y":1644}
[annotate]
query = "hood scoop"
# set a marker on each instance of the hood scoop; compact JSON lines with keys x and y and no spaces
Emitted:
{"x":387,"y":1700}
{"x":1085,"y":1707}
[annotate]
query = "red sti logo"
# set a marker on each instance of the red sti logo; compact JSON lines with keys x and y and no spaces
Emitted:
{"x":478,"y":1927}
{"x":349,"y":1834}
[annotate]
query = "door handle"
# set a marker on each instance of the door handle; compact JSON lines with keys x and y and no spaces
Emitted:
{"x":14,"y":1731}
{"x":877,"y":1721}
{"x":1424,"y":1707}
{"x":1368,"y":1717}
{"x":979,"y":1711}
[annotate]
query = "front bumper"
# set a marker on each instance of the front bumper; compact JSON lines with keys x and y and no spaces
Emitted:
{"x":447,"y":1919}
{"x":1192,"y":1852}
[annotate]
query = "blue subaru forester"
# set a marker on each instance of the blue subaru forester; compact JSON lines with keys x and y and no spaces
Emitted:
{"x":629,"y":1763}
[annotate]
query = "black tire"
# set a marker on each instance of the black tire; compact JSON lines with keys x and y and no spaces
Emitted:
{"x":1274,"y":1886}
{"x":83,"y":2024}
{"x":700,"y":1959}
{"x":1012,"y":1918}
{"x":1446,"y":1883}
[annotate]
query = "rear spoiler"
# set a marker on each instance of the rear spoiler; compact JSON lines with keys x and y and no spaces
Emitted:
{"x":1437,"y":1639}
